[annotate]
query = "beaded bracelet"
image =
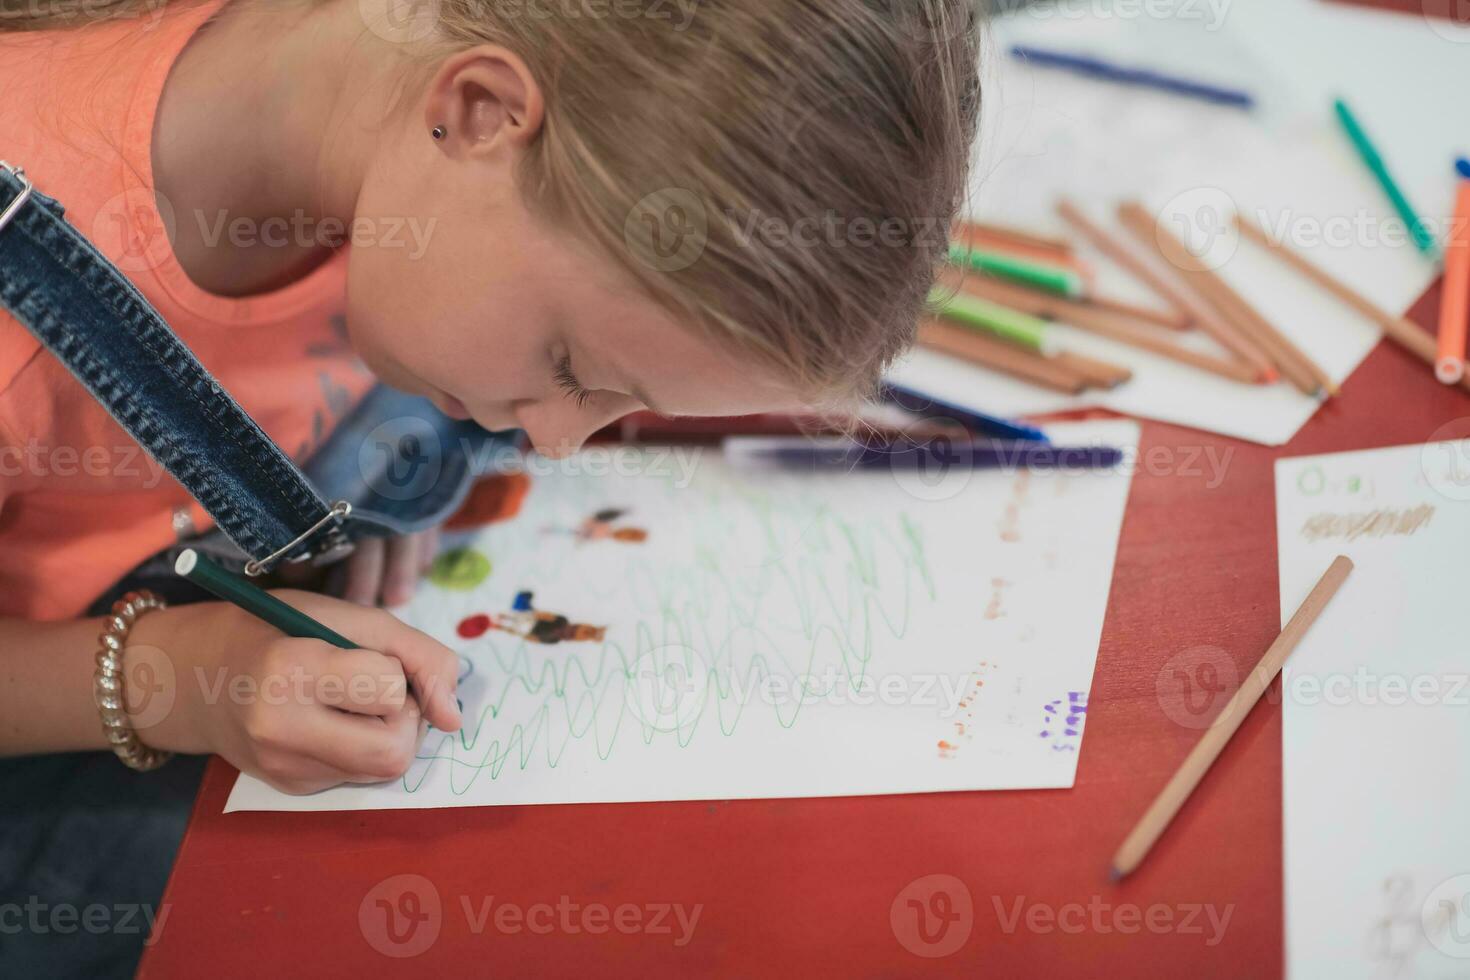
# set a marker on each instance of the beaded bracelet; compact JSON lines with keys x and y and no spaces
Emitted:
{"x":108,"y":683}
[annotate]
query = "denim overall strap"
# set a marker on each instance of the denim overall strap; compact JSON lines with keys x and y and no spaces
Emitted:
{"x":92,"y":318}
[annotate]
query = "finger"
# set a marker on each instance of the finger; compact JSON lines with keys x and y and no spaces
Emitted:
{"x":432,"y":668}
{"x":430,"y":546}
{"x":365,"y":572}
{"x":363,"y":682}
{"x":401,"y":569}
{"x":364,"y":749}
{"x":299,"y":575}
{"x":335,"y":582}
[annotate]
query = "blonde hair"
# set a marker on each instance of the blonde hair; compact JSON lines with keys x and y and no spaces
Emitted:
{"x":780,"y":173}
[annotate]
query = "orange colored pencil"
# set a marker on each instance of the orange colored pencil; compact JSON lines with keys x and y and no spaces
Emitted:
{"x":1454,"y":308}
{"x":1171,"y":321}
{"x":1299,"y":369}
{"x":1126,"y":257}
{"x":1407,"y":334}
{"x":1016,"y":236}
{"x":967,"y":345}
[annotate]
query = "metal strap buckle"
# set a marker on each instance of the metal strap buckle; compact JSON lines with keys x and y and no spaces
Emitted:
{"x":339,"y":511}
{"x":26,"y":188}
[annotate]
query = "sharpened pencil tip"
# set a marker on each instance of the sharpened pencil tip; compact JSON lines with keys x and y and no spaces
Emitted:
{"x":1114,"y":875}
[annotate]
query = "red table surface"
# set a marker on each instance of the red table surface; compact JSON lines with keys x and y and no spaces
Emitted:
{"x":792,"y":887}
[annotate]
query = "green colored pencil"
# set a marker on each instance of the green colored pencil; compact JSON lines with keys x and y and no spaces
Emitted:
{"x":255,"y":600}
{"x":1037,"y":275}
{"x":1422,"y":238}
{"x":1007,"y":324}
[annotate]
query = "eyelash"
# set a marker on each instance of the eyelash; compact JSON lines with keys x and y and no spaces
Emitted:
{"x":568,"y":382}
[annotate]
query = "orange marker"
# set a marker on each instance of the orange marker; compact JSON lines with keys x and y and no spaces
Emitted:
{"x":1454,"y":309}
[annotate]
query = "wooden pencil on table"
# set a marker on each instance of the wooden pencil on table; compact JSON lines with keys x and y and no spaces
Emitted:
{"x":1023,"y":330}
{"x":1016,"y":237}
{"x":1127,"y":258}
{"x":1105,"y":324}
{"x":1400,"y":330}
{"x":1201,"y":314}
{"x":1136,"y":847}
{"x":1170,"y":321}
{"x":1097,"y":373}
{"x":1298,"y":368}
{"x":1000,"y":356}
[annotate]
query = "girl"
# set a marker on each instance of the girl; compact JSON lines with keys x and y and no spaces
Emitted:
{"x":538,"y":214}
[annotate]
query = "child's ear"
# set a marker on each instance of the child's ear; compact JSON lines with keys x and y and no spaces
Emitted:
{"x":483,"y":100}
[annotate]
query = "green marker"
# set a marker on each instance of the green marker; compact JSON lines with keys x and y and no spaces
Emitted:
{"x":1422,"y":238}
{"x":1018,"y":328}
{"x":255,"y":600}
{"x":1049,"y":278}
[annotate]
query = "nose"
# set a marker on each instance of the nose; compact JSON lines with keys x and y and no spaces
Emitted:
{"x":558,"y":427}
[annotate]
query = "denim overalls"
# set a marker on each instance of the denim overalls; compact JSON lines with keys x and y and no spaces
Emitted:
{"x":83,"y":829}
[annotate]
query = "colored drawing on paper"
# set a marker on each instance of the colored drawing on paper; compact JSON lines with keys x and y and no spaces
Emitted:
{"x":539,"y":626}
{"x":1063,"y":721}
{"x":605,"y":525}
{"x":963,"y":724}
{"x":459,"y":569}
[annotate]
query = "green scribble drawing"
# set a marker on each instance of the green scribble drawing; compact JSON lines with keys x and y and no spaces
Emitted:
{"x":763,"y":589}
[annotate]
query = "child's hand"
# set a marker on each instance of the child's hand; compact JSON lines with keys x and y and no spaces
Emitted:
{"x":387,"y":570}
{"x":379,"y":571}
{"x":302,"y":715}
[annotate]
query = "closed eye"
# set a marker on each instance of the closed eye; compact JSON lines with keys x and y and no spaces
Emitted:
{"x":567,"y":381}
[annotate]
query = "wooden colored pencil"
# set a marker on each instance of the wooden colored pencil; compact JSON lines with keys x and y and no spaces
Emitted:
{"x":1106,"y":324}
{"x":1208,"y":749}
{"x":1015,"y":236}
{"x":1454,"y":306}
{"x":989,"y":243}
{"x":1400,"y":330}
{"x":1169,"y":321}
{"x":1000,"y":321}
{"x":1125,"y":256}
{"x":1039,"y":275}
{"x":1204,"y":316}
{"x":1299,"y":369}
{"x":1097,"y":373}
{"x":1000,"y":356}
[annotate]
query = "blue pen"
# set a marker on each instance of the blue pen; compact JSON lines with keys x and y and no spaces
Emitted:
{"x":1145,"y":77}
{"x":913,"y":401}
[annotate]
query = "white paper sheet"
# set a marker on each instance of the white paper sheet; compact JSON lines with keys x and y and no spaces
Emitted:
{"x":777,"y":634}
{"x":1376,"y":724}
{"x":1046,"y":133}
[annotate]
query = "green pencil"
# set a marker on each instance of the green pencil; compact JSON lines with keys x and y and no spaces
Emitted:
{"x":255,"y":600}
{"x":1422,"y":238}
{"x":1037,"y":275}
{"x":1007,"y":324}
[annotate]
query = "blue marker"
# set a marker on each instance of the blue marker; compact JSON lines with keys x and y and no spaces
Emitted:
{"x":979,"y":422}
{"x":1144,"y":77}
{"x":843,"y":455}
